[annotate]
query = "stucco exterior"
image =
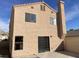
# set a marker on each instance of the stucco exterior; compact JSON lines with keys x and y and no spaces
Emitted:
{"x":61,"y":21}
{"x":72,"y":41}
{"x":31,"y":31}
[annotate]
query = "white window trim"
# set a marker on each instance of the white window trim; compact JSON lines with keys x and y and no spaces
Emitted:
{"x":53,"y":20}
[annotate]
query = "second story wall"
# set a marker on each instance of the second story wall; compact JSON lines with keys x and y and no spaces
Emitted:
{"x":42,"y":24}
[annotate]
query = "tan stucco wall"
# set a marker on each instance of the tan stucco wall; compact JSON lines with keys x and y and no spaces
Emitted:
{"x":62,"y":17}
{"x":72,"y":44}
{"x":61,"y":20}
{"x":31,"y":31}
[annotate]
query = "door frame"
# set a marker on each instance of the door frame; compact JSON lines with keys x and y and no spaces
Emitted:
{"x":48,"y":44}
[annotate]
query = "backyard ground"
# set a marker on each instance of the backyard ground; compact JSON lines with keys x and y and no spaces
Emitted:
{"x":4,"y":51}
{"x":60,"y":54}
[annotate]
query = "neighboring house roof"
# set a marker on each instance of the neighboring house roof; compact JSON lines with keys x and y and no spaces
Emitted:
{"x":3,"y":37}
{"x":3,"y":34}
{"x":73,"y":33}
{"x":36,"y":3}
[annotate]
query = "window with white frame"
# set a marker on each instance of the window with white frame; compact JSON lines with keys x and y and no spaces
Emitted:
{"x":53,"y":20}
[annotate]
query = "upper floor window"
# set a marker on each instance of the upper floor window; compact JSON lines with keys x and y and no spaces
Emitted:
{"x":30,"y":17}
{"x":53,"y":20}
{"x":42,"y":8}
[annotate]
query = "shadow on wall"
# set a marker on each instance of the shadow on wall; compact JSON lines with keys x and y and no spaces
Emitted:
{"x":61,"y":50}
{"x":60,"y":47}
{"x":69,"y":53}
{"x":4,"y":48}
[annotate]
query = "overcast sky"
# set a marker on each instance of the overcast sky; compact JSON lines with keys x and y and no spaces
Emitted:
{"x":71,"y":11}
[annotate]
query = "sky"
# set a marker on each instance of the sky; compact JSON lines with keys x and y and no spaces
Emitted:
{"x":71,"y":12}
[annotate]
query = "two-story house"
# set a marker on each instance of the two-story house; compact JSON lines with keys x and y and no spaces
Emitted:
{"x":35,"y":28}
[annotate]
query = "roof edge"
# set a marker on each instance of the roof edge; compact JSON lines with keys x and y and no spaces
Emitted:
{"x":36,"y":3}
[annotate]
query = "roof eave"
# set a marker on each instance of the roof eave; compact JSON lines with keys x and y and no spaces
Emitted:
{"x":36,"y":3}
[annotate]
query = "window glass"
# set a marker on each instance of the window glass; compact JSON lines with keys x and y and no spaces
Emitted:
{"x":30,"y":17}
{"x":42,"y":8}
{"x":52,"y":20}
{"x":18,"y":42}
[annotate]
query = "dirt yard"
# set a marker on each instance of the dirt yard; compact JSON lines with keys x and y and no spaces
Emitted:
{"x":60,"y":54}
